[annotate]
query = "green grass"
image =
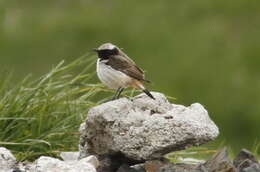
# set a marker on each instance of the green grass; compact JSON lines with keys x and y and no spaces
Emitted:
{"x":42,"y":116}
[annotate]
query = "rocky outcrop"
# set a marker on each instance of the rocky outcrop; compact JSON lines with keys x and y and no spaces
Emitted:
{"x":8,"y":163}
{"x":139,"y":129}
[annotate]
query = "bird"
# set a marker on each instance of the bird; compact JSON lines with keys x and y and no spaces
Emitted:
{"x":118,"y":71}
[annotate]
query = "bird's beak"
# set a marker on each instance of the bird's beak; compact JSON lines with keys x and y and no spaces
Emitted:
{"x":95,"y":49}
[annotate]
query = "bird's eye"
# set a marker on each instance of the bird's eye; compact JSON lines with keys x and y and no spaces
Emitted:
{"x":115,"y":51}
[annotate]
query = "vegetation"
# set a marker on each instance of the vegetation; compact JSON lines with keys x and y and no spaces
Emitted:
{"x":197,"y":51}
{"x":43,"y":116}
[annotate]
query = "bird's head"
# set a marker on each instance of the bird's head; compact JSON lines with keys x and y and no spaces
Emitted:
{"x":106,"y":50}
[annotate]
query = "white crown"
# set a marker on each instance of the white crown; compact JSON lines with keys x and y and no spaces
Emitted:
{"x":106,"y":46}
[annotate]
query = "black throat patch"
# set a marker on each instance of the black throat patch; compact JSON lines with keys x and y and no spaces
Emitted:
{"x":105,"y":54}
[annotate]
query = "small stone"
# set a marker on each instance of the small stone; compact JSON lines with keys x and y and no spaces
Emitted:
{"x":245,"y":159}
{"x":7,"y":160}
{"x":48,"y":164}
{"x":219,"y":162}
{"x":252,"y":168}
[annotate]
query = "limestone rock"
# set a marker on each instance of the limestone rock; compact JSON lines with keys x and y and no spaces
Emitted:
{"x":220,"y":162}
{"x":142,"y":129}
{"x":92,"y":160}
{"x":69,"y":156}
{"x":7,"y":160}
{"x":48,"y":164}
{"x":246,"y":162}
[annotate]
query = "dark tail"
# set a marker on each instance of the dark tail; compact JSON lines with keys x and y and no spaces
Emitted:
{"x":148,"y":93}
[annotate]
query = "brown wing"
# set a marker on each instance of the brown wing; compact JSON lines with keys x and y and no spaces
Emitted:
{"x":127,"y":66}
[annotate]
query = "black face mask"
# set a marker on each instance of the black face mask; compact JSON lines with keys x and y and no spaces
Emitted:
{"x":105,"y":54}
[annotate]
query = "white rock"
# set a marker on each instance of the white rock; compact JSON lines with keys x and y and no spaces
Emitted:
{"x":7,"y":160}
{"x":69,"y":156}
{"x":143,"y":128}
{"x":92,"y":160}
{"x":48,"y":164}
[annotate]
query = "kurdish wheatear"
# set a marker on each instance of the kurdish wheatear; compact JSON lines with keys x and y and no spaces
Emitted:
{"x":117,"y":71}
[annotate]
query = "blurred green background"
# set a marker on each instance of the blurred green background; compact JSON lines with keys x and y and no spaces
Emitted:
{"x":196,"y":51}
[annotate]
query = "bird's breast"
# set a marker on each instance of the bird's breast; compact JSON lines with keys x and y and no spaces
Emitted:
{"x":111,"y":77}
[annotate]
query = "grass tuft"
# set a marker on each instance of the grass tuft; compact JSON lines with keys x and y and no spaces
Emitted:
{"x":42,"y":116}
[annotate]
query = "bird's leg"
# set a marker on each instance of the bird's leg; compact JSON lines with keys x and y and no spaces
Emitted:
{"x":118,"y":92}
